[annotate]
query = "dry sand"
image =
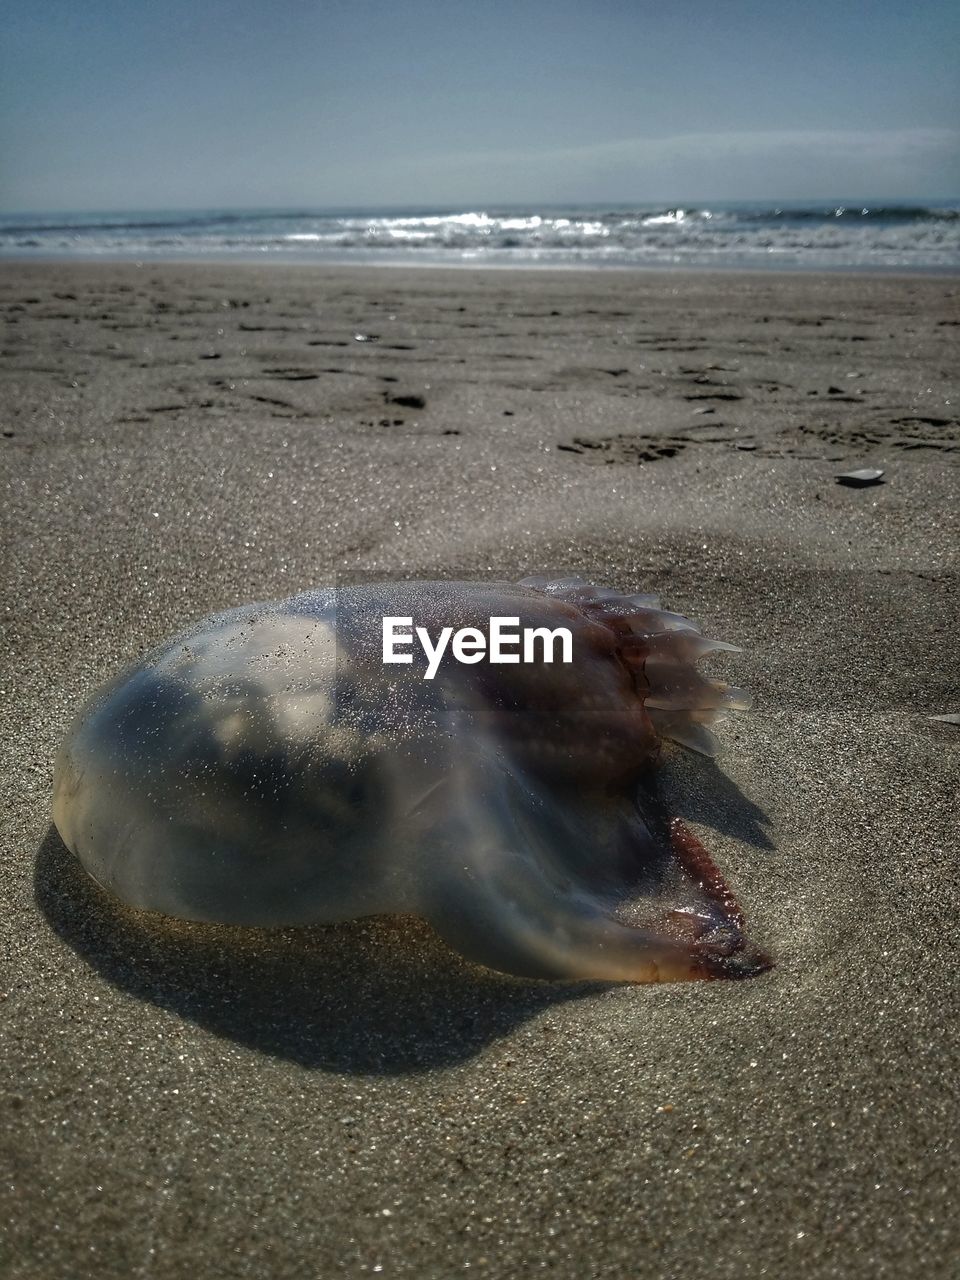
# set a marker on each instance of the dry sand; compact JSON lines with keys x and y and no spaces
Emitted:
{"x":184,"y":1100}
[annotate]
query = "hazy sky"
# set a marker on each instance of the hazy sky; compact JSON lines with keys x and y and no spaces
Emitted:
{"x":117,"y":104}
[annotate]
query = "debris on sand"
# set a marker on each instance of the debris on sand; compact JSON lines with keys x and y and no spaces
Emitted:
{"x":861,"y":478}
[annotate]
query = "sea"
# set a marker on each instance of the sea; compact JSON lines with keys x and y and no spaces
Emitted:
{"x":884,"y":236}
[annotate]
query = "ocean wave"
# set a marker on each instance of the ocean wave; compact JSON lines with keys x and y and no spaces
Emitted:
{"x":856,"y":213}
{"x":799,"y":234}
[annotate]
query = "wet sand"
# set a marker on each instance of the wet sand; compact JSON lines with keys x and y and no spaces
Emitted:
{"x":178,"y":1099}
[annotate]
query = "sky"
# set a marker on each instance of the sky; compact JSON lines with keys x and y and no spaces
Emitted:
{"x":183,"y":104}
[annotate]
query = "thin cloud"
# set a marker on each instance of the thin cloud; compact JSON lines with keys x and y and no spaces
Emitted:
{"x":764,"y":164}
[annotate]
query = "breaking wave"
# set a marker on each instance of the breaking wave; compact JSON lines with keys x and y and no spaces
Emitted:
{"x":800,"y":234}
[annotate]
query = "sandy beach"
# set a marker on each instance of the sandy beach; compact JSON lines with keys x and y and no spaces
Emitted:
{"x":184,"y":1099}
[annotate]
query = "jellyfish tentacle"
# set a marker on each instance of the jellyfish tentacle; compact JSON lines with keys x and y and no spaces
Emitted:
{"x":698,"y":862}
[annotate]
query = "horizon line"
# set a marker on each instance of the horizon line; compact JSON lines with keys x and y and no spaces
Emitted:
{"x":837,"y":201}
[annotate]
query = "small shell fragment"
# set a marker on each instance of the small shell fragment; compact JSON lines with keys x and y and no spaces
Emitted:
{"x":861,"y":478}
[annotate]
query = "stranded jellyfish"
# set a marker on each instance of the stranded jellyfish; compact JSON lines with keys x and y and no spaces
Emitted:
{"x":268,"y":767}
